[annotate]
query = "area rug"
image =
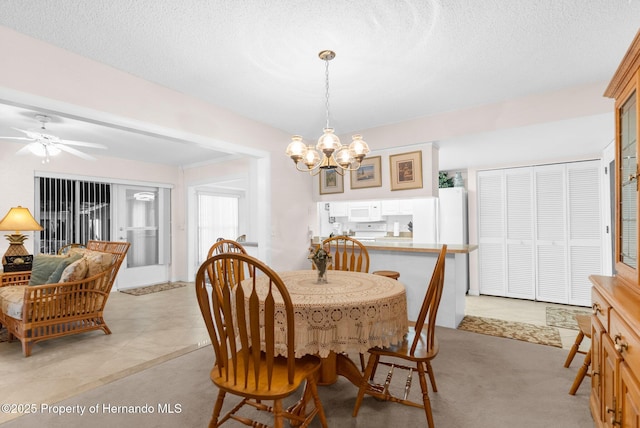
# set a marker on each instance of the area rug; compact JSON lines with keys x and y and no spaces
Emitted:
{"x":542,"y":335}
{"x":141,"y":291}
{"x":564,"y":317}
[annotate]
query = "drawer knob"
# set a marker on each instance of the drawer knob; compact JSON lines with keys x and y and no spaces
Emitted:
{"x":596,"y":308}
{"x":619,"y":344}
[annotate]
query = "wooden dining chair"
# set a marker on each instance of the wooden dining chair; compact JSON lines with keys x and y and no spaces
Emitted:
{"x":348,"y":254}
{"x":419,"y":347}
{"x":225,"y":246}
{"x":247,"y":333}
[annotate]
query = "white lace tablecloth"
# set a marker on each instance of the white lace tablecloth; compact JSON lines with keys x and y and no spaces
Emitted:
{"x":352,"y":313}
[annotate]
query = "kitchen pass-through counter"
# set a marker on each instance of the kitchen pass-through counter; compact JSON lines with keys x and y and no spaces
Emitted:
{"x":415,"y":263}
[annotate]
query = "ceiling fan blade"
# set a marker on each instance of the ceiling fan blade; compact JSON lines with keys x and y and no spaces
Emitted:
{"x":23,"y":151}
{"x":17,"y":138}
{"x":75,"y":152}
{"x":21,"y":130}
{"x":83,"y":144}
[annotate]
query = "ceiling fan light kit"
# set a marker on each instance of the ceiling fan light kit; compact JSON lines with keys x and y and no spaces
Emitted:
{"x":46,"y":145}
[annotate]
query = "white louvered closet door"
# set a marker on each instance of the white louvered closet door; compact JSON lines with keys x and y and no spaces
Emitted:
{"x":519,"y":233}
{"x":491,"y":233}
{"x":585,"y":229}
{"x":540,"y":232}
{"x":551,"y":233}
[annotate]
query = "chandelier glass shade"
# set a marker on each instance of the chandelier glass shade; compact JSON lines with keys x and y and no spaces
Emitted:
{"x":329,"y":152}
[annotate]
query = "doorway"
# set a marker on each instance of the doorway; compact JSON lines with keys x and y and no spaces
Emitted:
{"x":143,"y":219}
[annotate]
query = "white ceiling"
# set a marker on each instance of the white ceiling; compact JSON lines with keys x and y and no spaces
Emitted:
{"x":396,"y":60}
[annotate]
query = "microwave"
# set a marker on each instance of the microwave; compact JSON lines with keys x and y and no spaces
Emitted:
{"x":364,"y":211}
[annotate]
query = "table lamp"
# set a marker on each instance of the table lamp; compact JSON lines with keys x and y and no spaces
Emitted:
{"x":17,"y":219}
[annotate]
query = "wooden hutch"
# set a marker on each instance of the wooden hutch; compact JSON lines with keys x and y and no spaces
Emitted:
{"x":615,"y":325}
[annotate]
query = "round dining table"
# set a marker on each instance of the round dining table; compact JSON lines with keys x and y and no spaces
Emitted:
{"x":351,"y":313}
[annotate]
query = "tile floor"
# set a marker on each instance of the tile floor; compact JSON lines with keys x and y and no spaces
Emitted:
{"x":148,"y":330}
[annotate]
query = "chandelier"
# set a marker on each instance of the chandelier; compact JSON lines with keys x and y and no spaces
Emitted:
{"x":329,"y":153}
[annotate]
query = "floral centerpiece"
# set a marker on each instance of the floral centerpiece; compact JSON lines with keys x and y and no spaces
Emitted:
{"x":321,"y":259}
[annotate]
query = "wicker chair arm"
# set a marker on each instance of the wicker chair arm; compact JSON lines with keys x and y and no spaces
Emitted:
{"x":15,"y":278}
{"x":66,"y":299}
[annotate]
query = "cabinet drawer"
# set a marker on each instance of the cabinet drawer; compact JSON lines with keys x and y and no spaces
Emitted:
{"x":623,"y":336}
{"x":601,"y":308}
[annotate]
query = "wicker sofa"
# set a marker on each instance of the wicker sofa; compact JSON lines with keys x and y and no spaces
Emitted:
{"x":42,"y":312}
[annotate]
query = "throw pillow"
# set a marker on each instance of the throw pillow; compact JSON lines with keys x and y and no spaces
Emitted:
{"x":98,"y":261}
{"x":75,"y":271}
{"x":43,"y":267}
{"x":54,"y":278}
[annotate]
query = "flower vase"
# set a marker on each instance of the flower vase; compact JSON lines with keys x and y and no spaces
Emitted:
{"x":321,"y":267}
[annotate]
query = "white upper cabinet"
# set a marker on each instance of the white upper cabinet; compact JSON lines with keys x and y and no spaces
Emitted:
{"x":338,"y":209}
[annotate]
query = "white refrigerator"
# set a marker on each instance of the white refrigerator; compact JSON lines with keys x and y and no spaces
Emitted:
{"x":441,"y":220}
{"x":452,"y":216}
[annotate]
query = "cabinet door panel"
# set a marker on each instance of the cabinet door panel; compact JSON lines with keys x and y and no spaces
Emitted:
{"x":597,"y":330}
{"x":610,"y":367}
{"x":629,"y":398}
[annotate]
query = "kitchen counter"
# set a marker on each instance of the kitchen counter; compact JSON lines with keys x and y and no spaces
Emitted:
{"x":409,"y":246}
{"x":406,"y":244}
{"x":415,"y":263}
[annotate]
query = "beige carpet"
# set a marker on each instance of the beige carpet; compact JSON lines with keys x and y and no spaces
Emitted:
{"x":483,"y":382}
{"x":532,"y":333}
{"x":141,"y":291}
{"x":564,"y":317}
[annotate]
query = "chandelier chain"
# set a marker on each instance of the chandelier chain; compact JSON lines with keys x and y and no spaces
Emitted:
{"x":326,"y":73}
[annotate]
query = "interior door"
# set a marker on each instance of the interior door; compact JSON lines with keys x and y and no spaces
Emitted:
{"x":491,"y":233}
{"x":143,"y":221}
{"x":519,"y":233}
{"x":551,"y":233}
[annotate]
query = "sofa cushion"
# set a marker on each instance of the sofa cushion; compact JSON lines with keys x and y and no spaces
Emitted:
{"x":43,"y":266}
{"x":54,"y":278}
{"x":11,"y":300}
{"x":75,"y":271}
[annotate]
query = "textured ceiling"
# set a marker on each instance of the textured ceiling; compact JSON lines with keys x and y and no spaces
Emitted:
{"x":396,"y":60}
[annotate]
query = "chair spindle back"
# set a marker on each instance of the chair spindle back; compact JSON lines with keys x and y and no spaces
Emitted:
{"x":244,"y":319}
{"x":348,"y":254}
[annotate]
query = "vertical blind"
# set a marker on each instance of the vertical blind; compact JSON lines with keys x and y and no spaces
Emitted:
{"x":71,"y":211}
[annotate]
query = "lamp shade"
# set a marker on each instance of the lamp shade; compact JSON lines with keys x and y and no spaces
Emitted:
{"x":19,"y":218}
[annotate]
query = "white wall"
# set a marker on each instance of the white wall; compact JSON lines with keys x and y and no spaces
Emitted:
{"x":429,"y":177}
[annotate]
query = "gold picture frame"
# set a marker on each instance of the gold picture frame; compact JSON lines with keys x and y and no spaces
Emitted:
{"x":406,"y":170}
{"x":369,"y":174}
{"x":330,"y":182}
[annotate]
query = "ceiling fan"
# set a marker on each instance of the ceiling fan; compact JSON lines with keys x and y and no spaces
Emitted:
{"x":46,"y":145}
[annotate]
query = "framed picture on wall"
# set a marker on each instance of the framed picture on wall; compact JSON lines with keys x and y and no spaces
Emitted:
{"x":331,"y":182}
{"x":406,"y":170}
{"x":368,"y":175}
